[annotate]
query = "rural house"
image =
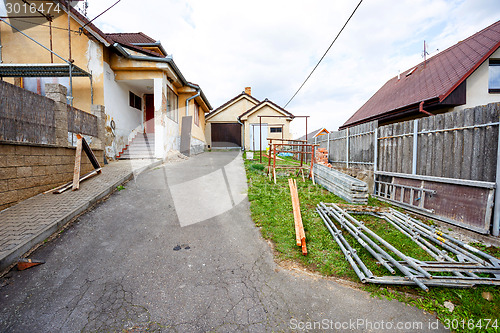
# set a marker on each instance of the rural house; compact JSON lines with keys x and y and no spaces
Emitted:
{"x":465,"y":75}
{"x":315,"y":134}
{"x":238,"y":123}
{"x":143,"y":92}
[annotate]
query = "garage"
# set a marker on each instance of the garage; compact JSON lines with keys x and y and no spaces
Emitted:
{"x":226,"y":135}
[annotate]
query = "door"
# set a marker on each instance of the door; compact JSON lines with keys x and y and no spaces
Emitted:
{"x":255,"y":133}
{"x":149,"y":116}
{"x":226,"y":135}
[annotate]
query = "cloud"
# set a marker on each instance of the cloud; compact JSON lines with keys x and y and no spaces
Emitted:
{"x":225,"y":45}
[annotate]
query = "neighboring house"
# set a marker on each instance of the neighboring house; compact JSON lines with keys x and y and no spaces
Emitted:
{"x":465,"y":75}
{"x":236,"y":123}
{"x":131,"y":74}
{"x":314,"y":134}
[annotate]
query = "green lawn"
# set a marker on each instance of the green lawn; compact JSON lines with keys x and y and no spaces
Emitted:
{"x":271,"y":210}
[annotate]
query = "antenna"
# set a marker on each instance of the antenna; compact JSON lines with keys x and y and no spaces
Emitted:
{"x":85,"y":7}
{"x":425,"y":54}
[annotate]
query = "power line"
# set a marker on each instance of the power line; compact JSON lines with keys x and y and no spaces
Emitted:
{"x":101,"y":14}
{"x":329,"y":47}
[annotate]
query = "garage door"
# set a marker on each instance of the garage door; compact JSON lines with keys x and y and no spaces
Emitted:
{"x":226,"y":135}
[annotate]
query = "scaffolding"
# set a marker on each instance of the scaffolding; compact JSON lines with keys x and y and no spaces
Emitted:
{"x":294,"y":147}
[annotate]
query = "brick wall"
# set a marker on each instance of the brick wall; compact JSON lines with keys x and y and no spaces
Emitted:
{"x":27,"y":170}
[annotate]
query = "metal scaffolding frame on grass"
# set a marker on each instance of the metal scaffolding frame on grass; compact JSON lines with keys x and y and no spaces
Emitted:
{"x":276,"y":148}
{"x":260,"y":129}
{"x":456,"y":264}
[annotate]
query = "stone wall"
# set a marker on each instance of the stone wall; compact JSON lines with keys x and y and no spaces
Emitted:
{"x":35,"y":154}
{"x":27,"y":170}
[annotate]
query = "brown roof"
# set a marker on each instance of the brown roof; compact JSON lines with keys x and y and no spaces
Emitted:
{"x":130,"y":37}
{"x":435,"y":79}
{"x":313,"y":133}
{"x":231,"y":101}
{"x":263,"y":102}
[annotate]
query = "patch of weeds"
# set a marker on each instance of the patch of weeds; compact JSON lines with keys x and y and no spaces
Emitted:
{"x":271,"y":210}
{"x":257,"y":166}
{"x":120,"y":187}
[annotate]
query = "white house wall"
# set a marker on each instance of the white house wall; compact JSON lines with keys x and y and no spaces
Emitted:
{"x":128,"y":120}
{"x":477,"y":86}
{"x":167,"y":134}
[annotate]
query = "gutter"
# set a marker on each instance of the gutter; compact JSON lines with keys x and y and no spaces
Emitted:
{"x":156,"y":44}
{"x":169,"y":60}
{"x":421,"y":109}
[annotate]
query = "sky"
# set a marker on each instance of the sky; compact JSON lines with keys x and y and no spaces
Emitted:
{"x":272,"y":45}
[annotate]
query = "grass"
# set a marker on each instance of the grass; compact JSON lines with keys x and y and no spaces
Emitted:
{"x":324,"y":255}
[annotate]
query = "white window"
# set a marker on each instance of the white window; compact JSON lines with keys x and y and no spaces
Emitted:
{"x":494,"y":76}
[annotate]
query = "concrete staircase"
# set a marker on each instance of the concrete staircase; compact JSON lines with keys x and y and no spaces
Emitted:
{"x":141,"y":147}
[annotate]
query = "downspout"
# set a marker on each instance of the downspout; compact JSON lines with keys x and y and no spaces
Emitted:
{"x":421,"y":109}
{"x":198,"y":93}
{"x":243,"y":127}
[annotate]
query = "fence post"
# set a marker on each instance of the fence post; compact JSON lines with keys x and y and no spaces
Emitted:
{"x":347,"y":148}
{"x":496,"y":213}
{"x":328,"y":146}
{"x":375,"y":157}
{"x":415,"y":147}
{"x":58,"y":93}
{"x":99,"y":112}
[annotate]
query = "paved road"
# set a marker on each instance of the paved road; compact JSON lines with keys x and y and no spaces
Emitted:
{"x":162,"y":255}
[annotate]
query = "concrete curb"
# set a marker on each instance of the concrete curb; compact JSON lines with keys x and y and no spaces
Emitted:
{"x":21,"y":249}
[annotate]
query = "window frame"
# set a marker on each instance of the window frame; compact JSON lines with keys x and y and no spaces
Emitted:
{"x":172,"y":105}
{"x":494,"y":63}
{"x":134,"y":101}
{"x":196,"y":114}
{"x":276,"y":129}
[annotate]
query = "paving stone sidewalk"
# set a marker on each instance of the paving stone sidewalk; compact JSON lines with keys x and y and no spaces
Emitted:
{"x":31,"y":221}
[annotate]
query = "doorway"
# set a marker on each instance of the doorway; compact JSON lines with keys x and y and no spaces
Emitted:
{"x":149,"y":114}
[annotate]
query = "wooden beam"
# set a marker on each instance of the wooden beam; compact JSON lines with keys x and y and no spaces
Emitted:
{"x":78,"y":162}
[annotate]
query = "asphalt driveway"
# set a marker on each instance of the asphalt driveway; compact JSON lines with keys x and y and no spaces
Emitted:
{"x":176,"y":250}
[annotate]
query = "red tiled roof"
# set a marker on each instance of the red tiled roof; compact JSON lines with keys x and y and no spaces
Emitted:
{"x":130,"y":37}
{"x":441,"y":74}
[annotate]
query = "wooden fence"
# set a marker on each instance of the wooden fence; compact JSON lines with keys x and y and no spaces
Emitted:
{"x":460,"y":144}
{"x":447,"y":160}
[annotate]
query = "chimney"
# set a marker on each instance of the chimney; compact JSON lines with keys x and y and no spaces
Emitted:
{"x":248,"y":91}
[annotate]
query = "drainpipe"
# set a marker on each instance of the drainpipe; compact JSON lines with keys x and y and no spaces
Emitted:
{"x":198,"y":93}
{"x":243,"y":127}
{"x":421,"y":109}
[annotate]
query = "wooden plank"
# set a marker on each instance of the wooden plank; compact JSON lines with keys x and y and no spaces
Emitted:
{"x":431,"y":144}
{"x":466,"y":172}
{"x":438,"y":146}
{"x":407,"y":155}
{"x":422,"y":147}
{"x":448,"y":142}
{"x":67,"y":186}
{"x":477,"y":166}
{"x":458,"y":144}
{"x":90,"y":154}
{"x":490,"y":145}
{"x":78,"y":162}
